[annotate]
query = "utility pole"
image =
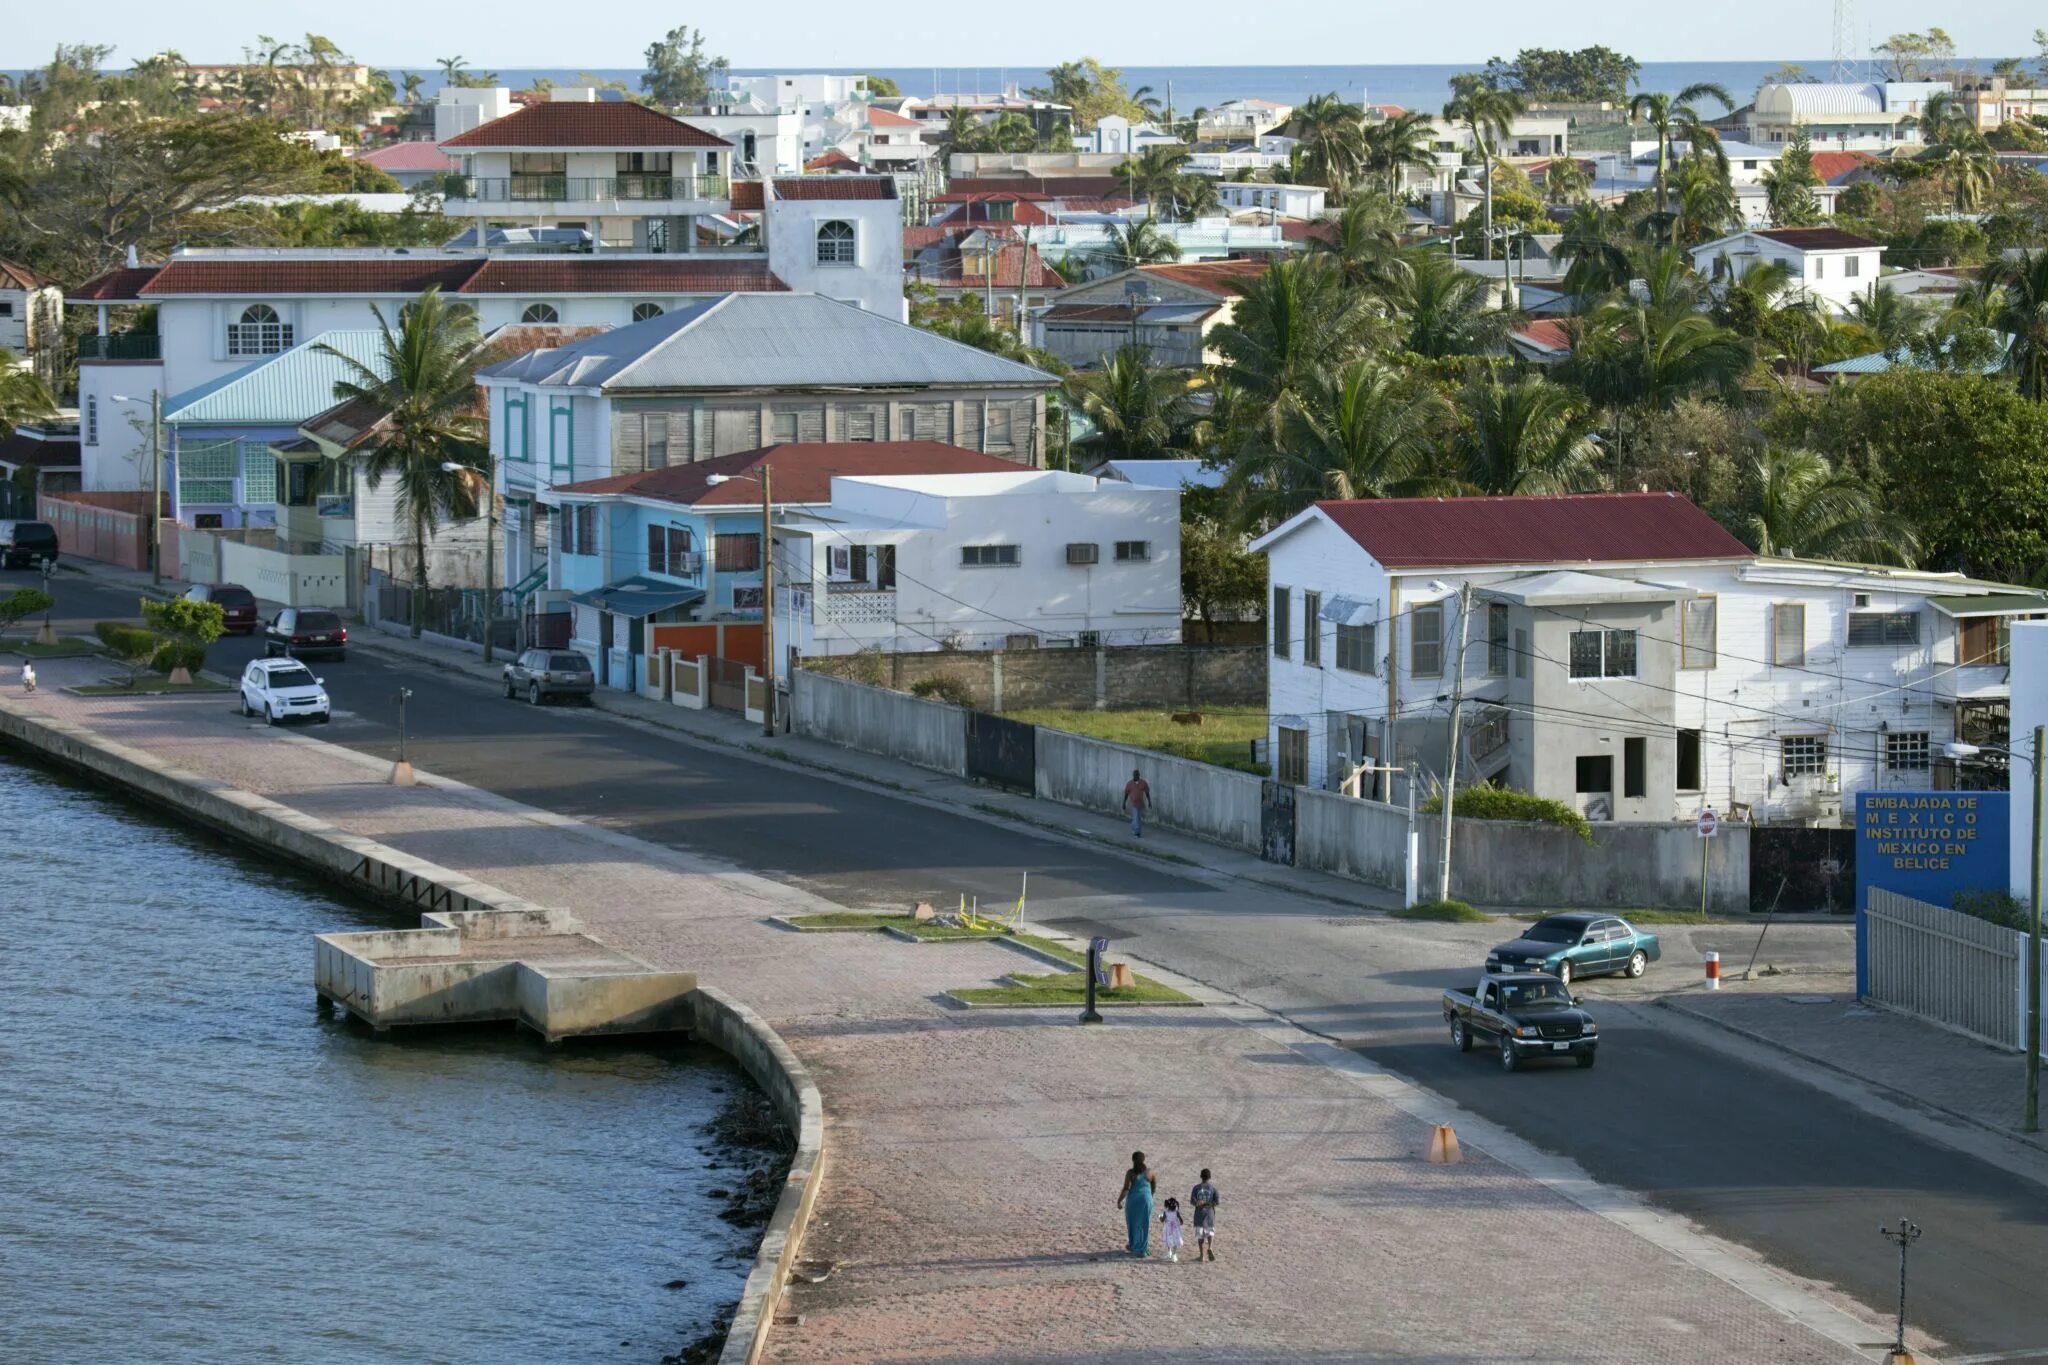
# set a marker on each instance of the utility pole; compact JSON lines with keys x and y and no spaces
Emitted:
{"x":156,"y":487}
{"x":1023,"y":270}
{"x":2032,"y":1123}
{"x":490,"y":563}
{"x":767,"y":607}
{"x":1457,"y":714}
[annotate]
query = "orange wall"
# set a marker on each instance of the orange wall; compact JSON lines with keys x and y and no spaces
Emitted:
{"x":720,"y":639}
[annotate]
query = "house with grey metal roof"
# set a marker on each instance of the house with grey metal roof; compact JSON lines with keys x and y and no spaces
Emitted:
{"x":738,"y":373}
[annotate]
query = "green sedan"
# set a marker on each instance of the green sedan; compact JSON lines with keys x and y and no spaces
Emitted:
{"x":1580,"y":943}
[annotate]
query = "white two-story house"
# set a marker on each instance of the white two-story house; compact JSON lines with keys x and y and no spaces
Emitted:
{"x":1827,"y":264}
{"x":1624,"y":654}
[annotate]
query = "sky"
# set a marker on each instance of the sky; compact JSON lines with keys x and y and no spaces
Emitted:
{"x":797,"y":34}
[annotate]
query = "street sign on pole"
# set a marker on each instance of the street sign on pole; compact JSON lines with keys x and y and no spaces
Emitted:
{"x":1710,"y":824}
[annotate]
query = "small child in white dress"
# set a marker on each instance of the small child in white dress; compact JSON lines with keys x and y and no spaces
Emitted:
{"x":1170,"y":1223}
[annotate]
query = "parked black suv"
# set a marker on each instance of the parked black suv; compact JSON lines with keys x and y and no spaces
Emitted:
{"x":302,"y":632}
{"x":27,"y":543}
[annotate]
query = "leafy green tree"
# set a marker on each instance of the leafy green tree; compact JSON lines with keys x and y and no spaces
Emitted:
{"x":1671,"y":117}
{"x":1155,"y":173}
{"x":1596,"y":247}
{"x":1531,"y":436}
{"x":1793,"y":502}
{"x":1789,"y":184}
{"x":678,"y":69}
{"x":1566,"y":181}
{"x":1092,"y":90}
{"x":1916,"y":56}
{"x":1706,"y":206}
{"x":424,"y":382}
{"x":22,"y":396}
{"x":21,"y":604}
{"x":2023,"y":318}
{"x":1219,"y":578}
{"x":1140,"y":408}
{"x":882,"y":88}
{"x":1591,"y":75}
{"x":1650,"y":347}
{"x":1487,"y":115}
{"x":188,"y":627}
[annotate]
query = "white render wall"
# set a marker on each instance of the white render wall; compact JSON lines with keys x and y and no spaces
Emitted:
{"x":1822,"y":275}
{"x":874,"y":282}
{"x":2029,"y":656}
{"x":118,"y":461}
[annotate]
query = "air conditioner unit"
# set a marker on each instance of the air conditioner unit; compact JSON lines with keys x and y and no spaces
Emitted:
{"x":1082,"y":553}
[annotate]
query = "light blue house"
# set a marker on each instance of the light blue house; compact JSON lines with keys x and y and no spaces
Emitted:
{"x":218,"y":437}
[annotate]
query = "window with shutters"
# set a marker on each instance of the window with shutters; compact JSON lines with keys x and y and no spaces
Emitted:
{"x":858,"y":425}
{"x":92,"y":419}
{"x":1698,"y":632}
{"x":1496,"y":639}
{"x":1788,"y":634}
{"x":1312,"y":629}
{"x":657,"y":549}
{"x":1521,"y":652}
{"x":1980,"y":640}
{"x":1355,"y":649}
{"x":1871,"y":629}
{"x":1283,"y":628}
{"x":1804,"y":755}
{"x":1426,"y":641}
{"x":1293,"y":755}
{"x":784,"y":428}
{"x":656,"y":434}
{"x":1000,"y":435}
{"x":518,"y":445}
{"x":1907,"y":751}
{"x":738,"y":553}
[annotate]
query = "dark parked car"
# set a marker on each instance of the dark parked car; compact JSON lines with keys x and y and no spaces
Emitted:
{"x":1527,"y":1014}
{"x":237,"y":605}
{"x":1581,"y":943}
{"x":539,"y":674}
{"x":27,"y":543}
{"x":305,"y":631}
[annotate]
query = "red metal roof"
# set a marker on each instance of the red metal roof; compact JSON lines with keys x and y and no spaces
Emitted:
{"x":889,"y":118}
{"x":408,"y":156}
{"x":1831,"y":165}
{"x":619,"y":275}
{"x":1549,"y":333}
{"x":746,"y":194}
{"x":17,"y":276}
{"x":832,"y":159}
{"x":580,"y":123}
{"x":1216,"y":277}
{"x":983,"y":210}
{"x":1816,"y":238}
{"x":950,"y":270}
{"x":1575,"y":528}
{"x":1052,"y":186}
{"x":123,"y":285}
{"x":303,"y":275}
{"x":803,"y":471}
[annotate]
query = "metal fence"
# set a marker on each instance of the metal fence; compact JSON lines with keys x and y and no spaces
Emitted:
{"x":1945,"y":967}
{"x":456,"y":612}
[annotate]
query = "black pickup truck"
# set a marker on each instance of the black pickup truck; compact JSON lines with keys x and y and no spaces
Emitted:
{"x":1527,"y":1015}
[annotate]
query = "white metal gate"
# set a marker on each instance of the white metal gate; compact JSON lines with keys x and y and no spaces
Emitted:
{"x":1945,"y":967}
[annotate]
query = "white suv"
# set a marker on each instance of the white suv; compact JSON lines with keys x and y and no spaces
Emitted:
{"x":283,"y":689}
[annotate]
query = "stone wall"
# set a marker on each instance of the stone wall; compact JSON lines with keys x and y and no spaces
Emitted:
{"x":1129,"y":677}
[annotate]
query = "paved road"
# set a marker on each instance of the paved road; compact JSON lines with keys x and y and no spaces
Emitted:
{"x":1801,"y":1176}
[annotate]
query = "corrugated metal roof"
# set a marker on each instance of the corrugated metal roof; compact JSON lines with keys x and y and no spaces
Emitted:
{"x":1167,"y":473}
{"x":1991,"y":604}
{"x":757,"y":341}
{"x":1827,"y":97}
{"x":284,"y":389}
{"x":1576,"y":528}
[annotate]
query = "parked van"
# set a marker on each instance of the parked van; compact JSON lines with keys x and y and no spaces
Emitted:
{"x":24,"y":544}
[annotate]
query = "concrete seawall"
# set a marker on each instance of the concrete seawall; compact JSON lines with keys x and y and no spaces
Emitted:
{"x":457,"y":904}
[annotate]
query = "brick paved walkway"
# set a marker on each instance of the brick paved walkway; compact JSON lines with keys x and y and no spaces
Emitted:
{"x":975,"y":1156}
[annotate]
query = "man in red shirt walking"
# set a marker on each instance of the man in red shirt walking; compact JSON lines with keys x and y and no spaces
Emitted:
{"x":1137,"y":796}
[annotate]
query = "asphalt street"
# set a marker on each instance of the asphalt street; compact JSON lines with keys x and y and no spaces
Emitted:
{"x":1799,"y":1175}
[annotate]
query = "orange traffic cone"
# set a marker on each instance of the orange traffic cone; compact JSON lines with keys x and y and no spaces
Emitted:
{"x":1443,"y":1146}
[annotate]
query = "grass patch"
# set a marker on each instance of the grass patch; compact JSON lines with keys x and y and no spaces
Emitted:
{"x":149,"y":685}
{"x":1070,"y":988}
{"x":855,"y":921}
{"x":1046,"y":945}
{"x":1223,"y":738}
{"x":65,"y":648}
{"x":1444,"y":912}
{"x":1661,"y":916}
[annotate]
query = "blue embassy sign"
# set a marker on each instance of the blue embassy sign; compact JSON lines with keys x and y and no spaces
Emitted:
{"x":1928,"y":845}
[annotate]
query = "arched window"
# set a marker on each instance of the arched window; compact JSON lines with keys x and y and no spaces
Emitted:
{"x":259,"y":331}
{"x":644,"y":311}
{"x":540,"y":312}
{"x":835,"y":242}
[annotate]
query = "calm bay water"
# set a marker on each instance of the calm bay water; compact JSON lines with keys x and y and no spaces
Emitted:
{"x":194,"y":1166}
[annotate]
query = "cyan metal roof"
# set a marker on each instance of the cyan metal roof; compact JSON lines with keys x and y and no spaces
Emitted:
{"x":764,"y":341}
{"x":1167,"y":473}
{"x":283,"y":389}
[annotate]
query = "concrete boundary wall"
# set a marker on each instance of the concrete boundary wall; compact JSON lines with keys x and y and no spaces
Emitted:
{"x":718,"y":1019}
{"x":1653,"y":866}
{"x":1366,"y":840}
{"x":929,"y":734}
{"x":1195,"y":798}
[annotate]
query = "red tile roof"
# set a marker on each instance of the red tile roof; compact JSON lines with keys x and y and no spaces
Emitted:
{"x":616,"y":275}
{"x":889,"y":118}
{"x":288,"y":275}
{"x":1829,"y":166}
{"x":984,"y":210}
{"x":122,"y":285}
{"x":746,"y":194}
{"x":16,"y":276}
{"x":1052,"y":186}
{"x":1549,"y":333}
{"x":830,"y":160}
{"x":578,"y":123}
{"x":408,"y":156}
{"x":1216,"y":277}
{"x":1816,"y":238}
{"x":1576,"y":528}
{"x":803,"y":471}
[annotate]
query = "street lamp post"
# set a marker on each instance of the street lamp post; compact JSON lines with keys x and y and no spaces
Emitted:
{"x":2032,"y":1121}
{"x":490,"y":545}
{"x":1464,"y":591}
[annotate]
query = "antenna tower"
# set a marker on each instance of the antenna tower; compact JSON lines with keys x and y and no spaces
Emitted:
{"x":1846,"y":67}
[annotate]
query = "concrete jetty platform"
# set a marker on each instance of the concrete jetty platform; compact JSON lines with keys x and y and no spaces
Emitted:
{"x":535,"y":968}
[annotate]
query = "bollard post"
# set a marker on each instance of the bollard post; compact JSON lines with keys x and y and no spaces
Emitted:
{"x":1096,"y":948}
{"x":1713,"y":971}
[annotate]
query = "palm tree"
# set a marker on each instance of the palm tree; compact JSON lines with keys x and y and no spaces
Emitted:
{"x":1365,"y":431}
{"x":1532,"y":436}
{"x":964,"y":132}
{"x":1887,"y":315}
{"x":1365,"y":244}
{"x":1294,"y":324}
{"x":1793,"y":502}
{"x":424,"y":382}
{"x":1664,"y":113}
{"x":411,"y":86}
{"x":1154,"y":174}
{"x":1747,"y":303}
{"x":1012,"y":132}
{"x":22,"y":396}
{"x":2023,"y":317}
{"x":1392,"y":147}
{"x":451,"y":69}
{"x":1706,"y":201}
{"x":1140,"y":408}
{"x":1194,"y":196}
{"x":1332,"y":135}
{"x":1597,"y":247}
{"x":1566,"y":181}
{"x":1139,"y":243}
{"x":1487,"y":115}
{"x":1962,"y":153}
{"x":1445,"y":310}
{"x":1645,"y":351}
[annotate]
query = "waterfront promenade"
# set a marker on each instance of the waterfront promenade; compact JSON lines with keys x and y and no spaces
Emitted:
{"x":967,"y":1211}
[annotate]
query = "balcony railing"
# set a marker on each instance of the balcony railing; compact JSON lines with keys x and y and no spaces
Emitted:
{"x":121,"y":346}
{"x":582,"y":189}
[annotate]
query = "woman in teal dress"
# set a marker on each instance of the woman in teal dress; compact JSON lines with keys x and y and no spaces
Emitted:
{"x":1135,"y":1199}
